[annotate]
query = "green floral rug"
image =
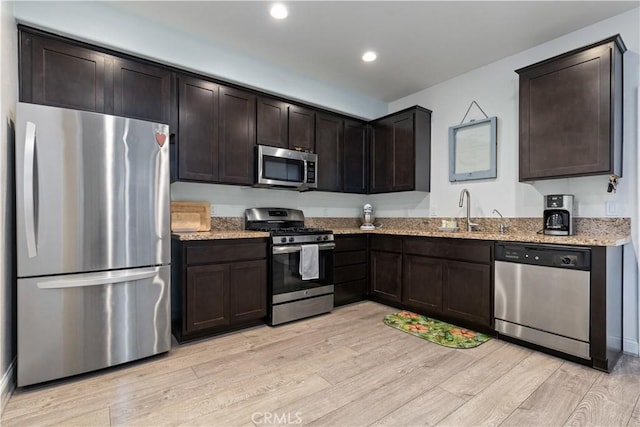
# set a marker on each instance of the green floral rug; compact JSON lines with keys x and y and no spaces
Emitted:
{"x":434,"y":330}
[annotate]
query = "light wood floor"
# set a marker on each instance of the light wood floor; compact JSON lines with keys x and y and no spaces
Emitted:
{"x":342,"y":369}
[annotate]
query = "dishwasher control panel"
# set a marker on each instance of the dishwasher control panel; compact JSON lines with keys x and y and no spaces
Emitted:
{"x":568,"y":257}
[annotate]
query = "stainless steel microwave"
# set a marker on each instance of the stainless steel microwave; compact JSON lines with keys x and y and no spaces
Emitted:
{"x":281,"y":167}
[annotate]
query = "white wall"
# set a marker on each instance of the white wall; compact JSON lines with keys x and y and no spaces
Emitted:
{"x":495,"y":88}
{"x":102,"y":24}
{"x":231,"y":200}
{"x":8,"y":97}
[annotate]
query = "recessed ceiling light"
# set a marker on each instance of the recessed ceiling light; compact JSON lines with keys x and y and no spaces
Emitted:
{"x":369,"y":56}
{"x":279,"y":11}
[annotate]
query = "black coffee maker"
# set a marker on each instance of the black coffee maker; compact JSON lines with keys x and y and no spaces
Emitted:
{"x":558,"y":215}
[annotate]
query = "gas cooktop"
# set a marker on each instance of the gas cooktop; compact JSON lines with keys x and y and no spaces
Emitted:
{"x":286,"y":226}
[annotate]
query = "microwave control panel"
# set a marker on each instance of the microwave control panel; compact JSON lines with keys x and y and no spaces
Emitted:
{"x":311,"y":172}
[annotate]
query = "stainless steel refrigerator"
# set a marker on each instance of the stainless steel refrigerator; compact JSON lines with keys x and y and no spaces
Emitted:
{"x":93,"y":241}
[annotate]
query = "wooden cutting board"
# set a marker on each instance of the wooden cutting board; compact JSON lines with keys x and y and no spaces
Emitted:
{"x":190,"y":216}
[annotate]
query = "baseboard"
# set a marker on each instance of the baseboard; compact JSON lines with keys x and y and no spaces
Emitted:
{"x":7,"y":385}
{"x":631,"y":347}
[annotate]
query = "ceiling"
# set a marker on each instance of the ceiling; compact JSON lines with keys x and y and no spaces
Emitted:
{"x":419,"y":43}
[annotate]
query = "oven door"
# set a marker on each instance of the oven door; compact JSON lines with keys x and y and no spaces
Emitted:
{"x":286,"y":282}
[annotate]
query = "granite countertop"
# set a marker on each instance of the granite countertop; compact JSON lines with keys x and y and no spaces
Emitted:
{"x":527,"y":237}
{"x":219,"y":234}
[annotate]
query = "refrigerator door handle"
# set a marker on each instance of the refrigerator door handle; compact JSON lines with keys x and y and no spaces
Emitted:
{"x":30,"y":180}
{"x":94,"y":279}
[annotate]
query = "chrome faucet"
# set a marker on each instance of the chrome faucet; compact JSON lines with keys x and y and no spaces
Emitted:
{"x":503,"y":225}
{"x":470,"y":224}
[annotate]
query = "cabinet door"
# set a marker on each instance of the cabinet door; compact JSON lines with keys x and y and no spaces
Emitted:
{"x":422,"y":283}
{"x":198,"y":131}
{"x":301,"y":128}
{"x":467,"y":292}
{"x":329,"y":138}
{"x":381,"y":157}
{"x":355,"y":157}
{"x":402,"y":136}
{"x":386,"y":275}
{"x":248,"y":291}
{"x":272,"y":122}
{"x":237,"y":136}
{"x":60,"y":74}
{"x":142,"y":91}
{"x":207,"y":297}
{"x":565,"y":116}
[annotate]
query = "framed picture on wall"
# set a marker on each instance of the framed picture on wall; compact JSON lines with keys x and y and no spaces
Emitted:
{"x":472,"y":150}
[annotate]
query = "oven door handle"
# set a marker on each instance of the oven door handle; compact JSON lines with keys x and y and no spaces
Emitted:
{"x":298,"y":248}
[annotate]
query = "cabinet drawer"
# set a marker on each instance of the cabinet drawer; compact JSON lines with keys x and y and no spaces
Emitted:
{"x":349,"y":292}
{"x":470,"y":251}
{"x":386,"y":243}
{"x":224,"y":252}
{"x":349,"y":273}
{"x":463,"y":250}
{"x":426,"y":247}
{"x":350,"y":258}
{"x":350,"y":243}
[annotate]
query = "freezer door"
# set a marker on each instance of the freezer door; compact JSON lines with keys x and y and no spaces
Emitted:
{"x":92,"y":192}
{"x":78,"y":323}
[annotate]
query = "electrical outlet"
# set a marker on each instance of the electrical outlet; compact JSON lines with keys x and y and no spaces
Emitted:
{"x":433,"y":211}
{"x":212,"y":212}
{"x":611,"y":208}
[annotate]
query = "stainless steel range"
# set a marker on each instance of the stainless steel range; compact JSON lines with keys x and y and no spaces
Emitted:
{"x":301,"y":264}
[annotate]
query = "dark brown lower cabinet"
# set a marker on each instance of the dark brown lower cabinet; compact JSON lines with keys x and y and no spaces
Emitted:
{"x":247,"y":291}
{"x":386,"y":276}
{"x":446,"y":278}
{"x":467,"y":292}
{"x":386,"y":268}
{"x":422,"y":283}
{"x":207,"y":290}
{"x":350,"y":269}
{"x":217,"y":286}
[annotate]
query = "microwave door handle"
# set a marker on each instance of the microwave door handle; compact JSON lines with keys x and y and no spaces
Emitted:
{"x":304,"y":179}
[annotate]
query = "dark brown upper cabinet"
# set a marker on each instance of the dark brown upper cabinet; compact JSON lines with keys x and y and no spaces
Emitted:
{"x":341,"y":145}
{"x":284,"y":125}
{"x":216,"y":138}
{"x":272,"y":122}
{"x":400,"y":151}
{"x":198,"y":130}
{"x":329,"y":141}
{"x":142,"y":91}
{"x":67,"y":74}
{"x":301,"y":128}
{"x":237,"y":136}
{"x":355,"y":158}
{"x":61,"y":74}
{"x":571,"y":113}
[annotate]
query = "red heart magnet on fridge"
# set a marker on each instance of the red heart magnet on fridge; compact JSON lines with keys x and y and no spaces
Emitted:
{"x":160,"y":139}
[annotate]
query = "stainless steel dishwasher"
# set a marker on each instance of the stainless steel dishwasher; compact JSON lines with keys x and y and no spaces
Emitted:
{"x":542,"y":295}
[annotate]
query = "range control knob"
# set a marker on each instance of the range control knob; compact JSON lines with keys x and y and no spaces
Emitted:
{"x":319,"y":238}
{"x":283,"y":240}
{"x":291,"y":239}
{"x":326,"y":238}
